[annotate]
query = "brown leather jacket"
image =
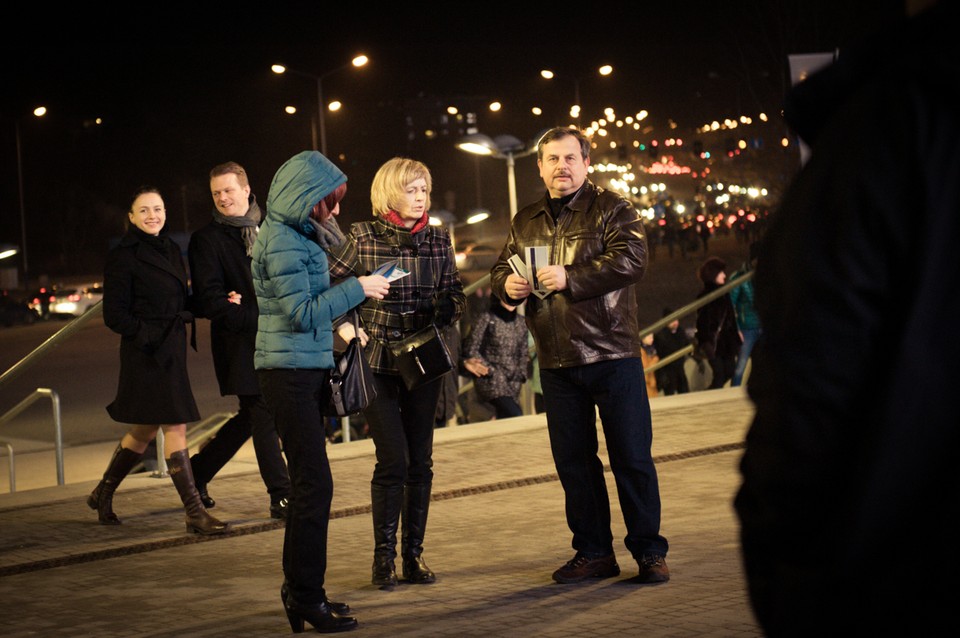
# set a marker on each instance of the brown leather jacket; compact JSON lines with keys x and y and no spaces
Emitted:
{"x":599,"y":237}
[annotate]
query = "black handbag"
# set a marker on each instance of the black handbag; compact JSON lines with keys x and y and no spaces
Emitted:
{"x":350,"y":386}
{"x":422,"y":357}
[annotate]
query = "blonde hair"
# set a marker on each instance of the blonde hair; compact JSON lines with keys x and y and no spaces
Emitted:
{"x":390,"y":183}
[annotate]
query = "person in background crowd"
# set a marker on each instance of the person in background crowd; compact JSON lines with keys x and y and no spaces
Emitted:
{"x":648,"y":355}
{"x":450,"y":395}
{"x":402,"y":421}
{"x":588,"y":342}
{"x":747,"y":320}
{"x":496,"y":354}
{"x":223,"y":292}
{"x":671,"y":378}
{"x":717,"y":337}
{"x":293,"y":358}
{"x":145,"y":301}
{"x":848,"y":502}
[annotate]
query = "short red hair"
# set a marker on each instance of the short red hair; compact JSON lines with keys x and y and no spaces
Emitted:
{"x":321,"y":212}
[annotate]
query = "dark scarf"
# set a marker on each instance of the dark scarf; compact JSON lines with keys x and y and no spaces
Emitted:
{"x":394,"y":218}
{"x":249,"y":224}
{"x":497,"y":309}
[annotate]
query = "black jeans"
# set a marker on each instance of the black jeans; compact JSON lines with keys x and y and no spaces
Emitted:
{"x":401,"y":425}
{"x":293,"y":397}
{"x":506,"y":407}
{"x":572,"y":397}
{"x":253,"y":418}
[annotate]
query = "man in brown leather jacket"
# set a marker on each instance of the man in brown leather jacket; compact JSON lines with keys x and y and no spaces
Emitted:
{"x":588,"y":345}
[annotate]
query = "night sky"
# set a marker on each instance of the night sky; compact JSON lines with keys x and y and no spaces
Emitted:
{"x":184,"y":89}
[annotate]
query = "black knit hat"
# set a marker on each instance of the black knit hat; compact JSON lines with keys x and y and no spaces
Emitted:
{"x":710,"y":269}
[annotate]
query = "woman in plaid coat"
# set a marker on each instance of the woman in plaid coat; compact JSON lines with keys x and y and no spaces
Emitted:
{"x":401,"y":421}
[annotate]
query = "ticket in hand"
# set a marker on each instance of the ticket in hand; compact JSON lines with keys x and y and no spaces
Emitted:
{"x":391,"y":271}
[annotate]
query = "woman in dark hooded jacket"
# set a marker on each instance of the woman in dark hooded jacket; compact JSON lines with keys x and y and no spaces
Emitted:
{"x":717,"y":337}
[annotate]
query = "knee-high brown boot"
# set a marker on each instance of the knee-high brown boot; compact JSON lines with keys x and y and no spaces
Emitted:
{"x":198,"y":519}
{"x":101,"y":499}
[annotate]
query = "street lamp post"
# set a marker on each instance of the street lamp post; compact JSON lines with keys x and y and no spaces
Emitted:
{"x":358,"y":61}
{"x":505,"y":147}
{"x":40,"y":111}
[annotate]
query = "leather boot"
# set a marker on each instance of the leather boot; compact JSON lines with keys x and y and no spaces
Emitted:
{"x":416,"y":504}
{"x":385,"y":505}
{"x":101,"y":499}
{"x":198,"y":520}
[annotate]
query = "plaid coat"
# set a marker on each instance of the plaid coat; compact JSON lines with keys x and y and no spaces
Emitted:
{"x":432,"y":291}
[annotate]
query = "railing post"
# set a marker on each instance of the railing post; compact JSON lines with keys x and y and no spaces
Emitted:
{"x":161,"y":471}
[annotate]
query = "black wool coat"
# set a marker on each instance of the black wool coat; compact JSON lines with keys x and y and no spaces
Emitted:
{"x":219,"y":265}
{"x":145,"y":300}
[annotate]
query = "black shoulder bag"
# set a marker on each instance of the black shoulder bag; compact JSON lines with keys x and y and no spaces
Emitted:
{"x":350,"y":387}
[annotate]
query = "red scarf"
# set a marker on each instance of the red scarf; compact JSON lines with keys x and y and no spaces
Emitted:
{"x":394,"y":218}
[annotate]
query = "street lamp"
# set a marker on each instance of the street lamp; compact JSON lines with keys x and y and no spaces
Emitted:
{"x":446,"y":218}
{"x":358,"y":61}
{"x":547,"y":74}
{"x":40,"y":111}
{"x":505,"y":147}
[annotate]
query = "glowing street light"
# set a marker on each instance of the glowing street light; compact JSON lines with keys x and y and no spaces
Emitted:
{"x":604,"y":71}
{"x":358,"y":61}
{"x":505,"y":147}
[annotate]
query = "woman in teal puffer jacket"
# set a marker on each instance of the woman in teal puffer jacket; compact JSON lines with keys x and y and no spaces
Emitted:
{"x":294,"y":355}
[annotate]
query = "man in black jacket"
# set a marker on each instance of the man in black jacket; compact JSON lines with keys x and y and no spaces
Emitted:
{"x":223,"y":292}
{"x":588,"y":345}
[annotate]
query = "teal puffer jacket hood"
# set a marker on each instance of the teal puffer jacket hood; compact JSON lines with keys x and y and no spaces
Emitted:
{"x":291,"y":274}
{"x":299,"y":184}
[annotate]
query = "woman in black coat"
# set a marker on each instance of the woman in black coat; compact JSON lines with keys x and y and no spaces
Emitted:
{"x":718,"y":338}
{"x":145,"y":300}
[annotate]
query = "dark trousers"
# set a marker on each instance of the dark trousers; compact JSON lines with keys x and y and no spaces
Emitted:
{"x":573,"y":397}
{"x":672,"y":379}
{"x":253,"y":418}
{"x":506,"y":407}
{"x":723,"y":369}
{"x":293,"y":397}
{"x":401,"y":424}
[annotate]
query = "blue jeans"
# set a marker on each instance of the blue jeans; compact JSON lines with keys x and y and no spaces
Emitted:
{"x":750,"y":337}
{"x":293,"y":397}
{"x":572,"y":397}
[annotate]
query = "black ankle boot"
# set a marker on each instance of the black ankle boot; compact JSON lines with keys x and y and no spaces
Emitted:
{"x":323,"y":618}
{"x":342,"y":609}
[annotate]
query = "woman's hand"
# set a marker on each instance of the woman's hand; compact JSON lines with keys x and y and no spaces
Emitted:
{"x":234,"y":297}
{"x":374,"y":286}
{"x":347,"y":333}
{"x":476,"y":366}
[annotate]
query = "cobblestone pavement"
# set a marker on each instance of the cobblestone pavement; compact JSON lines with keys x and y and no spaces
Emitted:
{"x":495,"y":534}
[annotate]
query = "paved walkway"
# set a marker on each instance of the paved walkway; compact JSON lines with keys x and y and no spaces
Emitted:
{"x":495,"y":534}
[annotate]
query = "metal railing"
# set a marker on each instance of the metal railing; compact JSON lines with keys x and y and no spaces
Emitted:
{"x":654,"y":327}
{"x":207,"y":428}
